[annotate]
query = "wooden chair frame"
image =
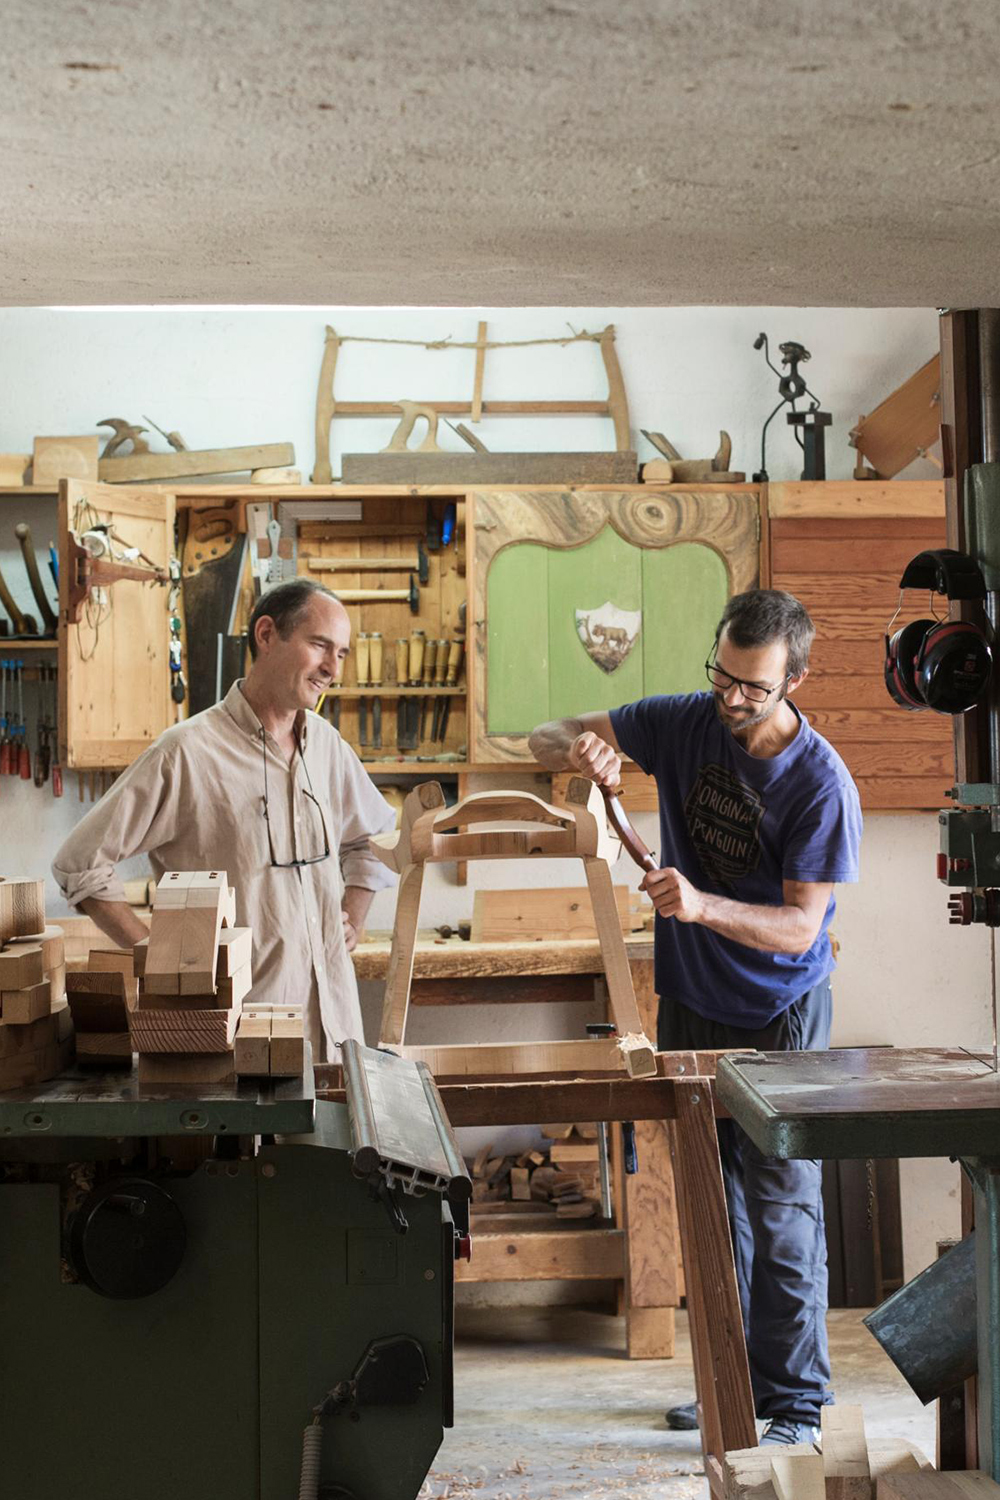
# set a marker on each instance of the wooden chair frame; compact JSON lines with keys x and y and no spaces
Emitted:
{"x":511,"y":825}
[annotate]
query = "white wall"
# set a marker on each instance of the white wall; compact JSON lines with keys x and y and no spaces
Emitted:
{"x":233,"y":376}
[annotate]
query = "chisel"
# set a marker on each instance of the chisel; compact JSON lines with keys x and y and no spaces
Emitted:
{"x":375,"y":673}
{"x":361,"y":665}
{"x":402,"y":673}
{"x":416,"y":668}
{"x":430,"y":661}
{"x":440,"y":672}
{"x":456,"y":650}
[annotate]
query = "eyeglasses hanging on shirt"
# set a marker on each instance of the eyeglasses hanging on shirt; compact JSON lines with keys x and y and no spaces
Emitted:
{"x":753,"y":692}
{"x":314,"y":859}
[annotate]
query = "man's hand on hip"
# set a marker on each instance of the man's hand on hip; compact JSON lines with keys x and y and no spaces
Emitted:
{"x":673,"y":895}
{"x":594,"y":757}
{"x":350,"y":932}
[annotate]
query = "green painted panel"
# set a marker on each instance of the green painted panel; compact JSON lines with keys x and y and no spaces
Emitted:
{"x":517,"y":662}
{"x":606,"y":569}
{"x":684,"y":591}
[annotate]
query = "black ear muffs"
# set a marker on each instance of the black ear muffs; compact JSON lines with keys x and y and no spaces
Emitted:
{"x":953,"y":667}
{"x":940,"y":664}
{"x":901,"y":652}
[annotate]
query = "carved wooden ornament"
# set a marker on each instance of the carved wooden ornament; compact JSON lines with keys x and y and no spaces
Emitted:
{"x":608,"y":633}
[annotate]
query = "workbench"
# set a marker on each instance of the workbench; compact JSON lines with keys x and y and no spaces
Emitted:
{"x":680,"y":1102}
{"x":641,"y":1250}
{"x":882,"y":1102}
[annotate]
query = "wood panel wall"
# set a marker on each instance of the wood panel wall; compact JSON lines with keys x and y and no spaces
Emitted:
{"x":841,"y":549}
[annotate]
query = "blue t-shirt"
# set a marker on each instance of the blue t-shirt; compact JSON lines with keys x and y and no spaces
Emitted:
{"x":737,"y":825}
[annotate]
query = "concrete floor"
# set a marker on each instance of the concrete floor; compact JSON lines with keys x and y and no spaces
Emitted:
{"x":549,"y":1408}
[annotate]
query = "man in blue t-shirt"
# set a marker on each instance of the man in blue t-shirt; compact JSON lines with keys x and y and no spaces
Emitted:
{"x":759,"y":820}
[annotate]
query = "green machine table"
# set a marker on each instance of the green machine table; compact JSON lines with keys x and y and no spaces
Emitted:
{"x":170,"y":1326}
{"x":874,"y":1102}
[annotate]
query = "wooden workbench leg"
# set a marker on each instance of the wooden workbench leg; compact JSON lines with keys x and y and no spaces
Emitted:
{"x":399,"y":973}
{"x":648,"y":1214}
{"x":718,"y":1346}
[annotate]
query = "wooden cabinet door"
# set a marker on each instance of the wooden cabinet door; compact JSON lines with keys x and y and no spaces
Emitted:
{"x":587,"y":599}
{"x":114,"y":664}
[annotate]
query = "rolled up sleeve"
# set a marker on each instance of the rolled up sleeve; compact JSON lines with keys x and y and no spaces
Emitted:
{"x":132,"y":817}
{"x":364,"y":811}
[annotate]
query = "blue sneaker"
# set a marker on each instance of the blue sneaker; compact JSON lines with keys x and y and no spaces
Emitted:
{"x":788,"y":1430}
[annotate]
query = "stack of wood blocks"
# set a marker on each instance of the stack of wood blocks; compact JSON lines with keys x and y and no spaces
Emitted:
{"x":270,"y":1042}
{"x":194,"y":973}
{"x":847,"y":1468}
{"x":100,"y":1001}
{"x":562,"y":1184}
{"x":35,"y":1026}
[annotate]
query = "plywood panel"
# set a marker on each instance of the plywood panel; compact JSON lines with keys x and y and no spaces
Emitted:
{"x":114,"y":670}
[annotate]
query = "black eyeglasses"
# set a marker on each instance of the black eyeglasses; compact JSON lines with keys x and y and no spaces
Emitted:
{"x":753,"y":692}
{"x":293,"y":864}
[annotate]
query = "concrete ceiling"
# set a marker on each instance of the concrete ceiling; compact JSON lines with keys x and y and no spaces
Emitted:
{"x":500,"y":152}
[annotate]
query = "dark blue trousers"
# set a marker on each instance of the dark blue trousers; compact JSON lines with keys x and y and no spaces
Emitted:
{"x":775,"y":1217}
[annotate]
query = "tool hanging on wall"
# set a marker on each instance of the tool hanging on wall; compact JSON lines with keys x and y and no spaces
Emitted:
{"x":419,"y":565}
{"x":410,"y":596}
{"x":23,"y":533}
{"x":791,"y":388}
{"x":23,"y":624}
{"x":94,"y":563}
{"x":23,"y":753}
{"x":375,"y":670}
{"x":4,"y":725}
{"x":361,"y":667}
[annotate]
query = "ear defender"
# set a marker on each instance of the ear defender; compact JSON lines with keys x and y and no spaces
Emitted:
{"x":944,"y":665}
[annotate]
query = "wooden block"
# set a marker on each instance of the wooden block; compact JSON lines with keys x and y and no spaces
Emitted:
{"x":747,"y":1471}
{"x":111,"y":961}
{"x":172,"y":1070}
{"x":50,"y":940}
{"x":57,"y":983}
{"x":22,"y":907}
{"x":252,"y":1045}
{"x":20,"y":1007}
{"x":139,"y":953}
{"x":179,"y":1030}
{"x":558,"y":1132}
{"x":104,"y":1048}
{"x":845,"y":1453}
{"x":573,"y":1152}
{"x":107,"y":982}
{"x":930,"y":1484}
{"x":17,"y":1040}
{"x":13,"y":469}
{"x":587,"y":1131}
{"x":482,"y":1157}
{"x":21,"y":965}
{"x":235,"y":950}
{"x":228,"y":995}
{"x":798,"y":1476}
{"x":58,"y":458}
{"x":586,"y":1208}
{"x":520,"y":1184}
{"x":287,"y":1043}
{"x":563,"y":1255}
{"x":130,"y":468}
{"x":99,"y":1002}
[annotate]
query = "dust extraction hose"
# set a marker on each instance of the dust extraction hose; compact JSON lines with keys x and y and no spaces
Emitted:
{"x":312,"y":1453}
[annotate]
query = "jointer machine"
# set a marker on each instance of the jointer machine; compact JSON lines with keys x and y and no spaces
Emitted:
{"x":272,"y":1319}
{"x":944,"y":1326}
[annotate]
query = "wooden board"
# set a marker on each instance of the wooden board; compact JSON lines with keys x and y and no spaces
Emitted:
{"x":177,"y":1030}
{"x":252,"y":1045}
{"x":929,"y":1484}
{"x":114,"y":677}
{"x":566,"y":1255}
{"x":132,"y":468}
{"x":905,"y":424}
{"x":50,"y":940}
{"x":846,"y":1466}
{"x":287,"y":1050}
{"x":847,"y":499}
{"x":846,"y":572}
{"x":539,"y":915}
{"x":170,"y":1070}
{"x":797,"y":1476}
{"x":485,"y":1060}
{"x":469,"y":468}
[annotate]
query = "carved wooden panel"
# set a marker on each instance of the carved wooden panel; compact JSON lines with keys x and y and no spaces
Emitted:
{"x":718,"y":532}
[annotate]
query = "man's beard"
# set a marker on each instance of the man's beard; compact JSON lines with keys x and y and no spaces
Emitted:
{"x":736,"y":723}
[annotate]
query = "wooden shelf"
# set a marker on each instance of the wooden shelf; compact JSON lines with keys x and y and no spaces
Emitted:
{"x":14,"y":643}
{"x":393,"y":690}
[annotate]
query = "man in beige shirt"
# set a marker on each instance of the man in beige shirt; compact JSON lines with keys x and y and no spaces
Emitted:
{"x":267,"y":791}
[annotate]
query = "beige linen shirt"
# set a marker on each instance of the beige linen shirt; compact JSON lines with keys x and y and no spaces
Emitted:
{"x":195,"y":801}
